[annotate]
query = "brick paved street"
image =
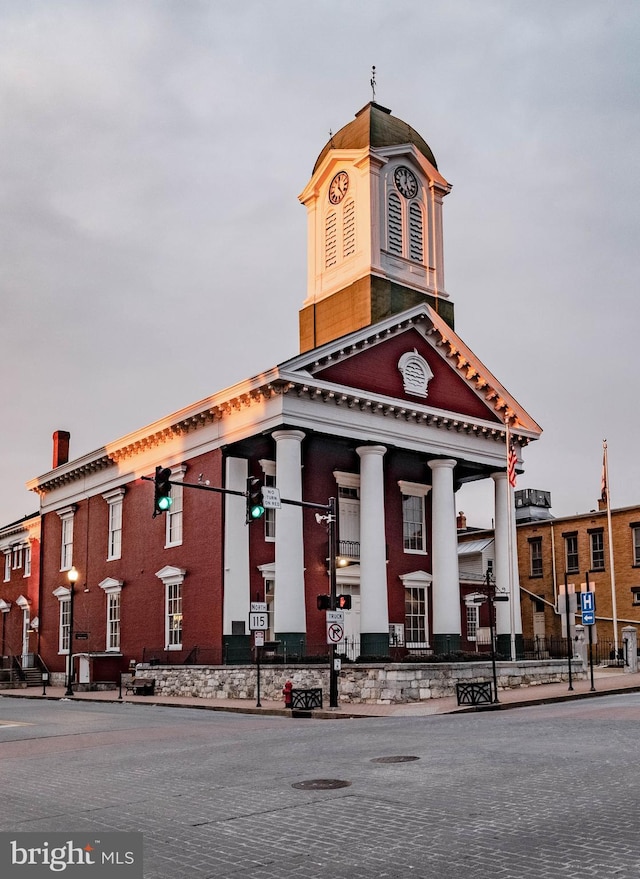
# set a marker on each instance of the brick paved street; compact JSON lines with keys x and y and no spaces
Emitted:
{"x":543,"y":792}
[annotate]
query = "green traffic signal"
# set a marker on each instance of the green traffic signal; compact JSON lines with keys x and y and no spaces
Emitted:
{"x":162,"y":495}
{"x":255,"y":505}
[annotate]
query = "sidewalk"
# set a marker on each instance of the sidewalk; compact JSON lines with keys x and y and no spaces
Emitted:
{"x":606,"y":681}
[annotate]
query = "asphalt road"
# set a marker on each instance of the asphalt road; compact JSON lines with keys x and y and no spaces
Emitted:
{"x":544,"y":791}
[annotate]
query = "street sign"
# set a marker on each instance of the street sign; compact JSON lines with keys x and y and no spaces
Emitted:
{"x":258,"y":621}
{"x":335,"y":626}
{"x":588,"y":608}
{"x":335,"y":633}
{"x":258,"y":638}
{"x":258,"y":607}
{"x":271,"y":497}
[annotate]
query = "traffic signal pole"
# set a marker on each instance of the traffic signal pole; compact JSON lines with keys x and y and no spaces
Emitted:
{"x":330,"y":511}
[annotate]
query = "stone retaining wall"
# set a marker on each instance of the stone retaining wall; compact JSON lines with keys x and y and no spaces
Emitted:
{"x":372,"y":684}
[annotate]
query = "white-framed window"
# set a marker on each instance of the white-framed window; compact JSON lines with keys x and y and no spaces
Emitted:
{"x":473,"y":620}
{"x":268,"y":572}
{"x":63,"y":594}
{"x":416,"y":620}
{"x":597,"y":550}
{"x":173,"y":579}
{"x":414,"y":530}
{"x":415,"y":615}
{"x":175,"y":512}
{"x":269,"y":478}
{"x":7,"y":565}
{"x":348,"y":515}
{"x":114,"y":500}
{"x":174,"y":616}
{"x":27,"y":560}
{"x":535,"y":556}
{"x":16,"y":554}
{"x":571,"y":553}
{"x":635,"y":543}
{"x":66,"y":543}
{"x":113,"y":592}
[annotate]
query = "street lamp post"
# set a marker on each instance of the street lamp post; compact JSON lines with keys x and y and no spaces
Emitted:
{"x":490,"y":595}
{"x":72,"y":576}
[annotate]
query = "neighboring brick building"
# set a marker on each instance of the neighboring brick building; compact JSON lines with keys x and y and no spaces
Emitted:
{"x":386,"y":409}
{"x":549,"y":548}
{"x":20,"y":549}
{"x":577,"y":546}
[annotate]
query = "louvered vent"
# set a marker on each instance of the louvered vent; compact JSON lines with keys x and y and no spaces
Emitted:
{"x":330,"y":240}
{"x":395,"y":224}
{"x":416,"y":251}
{"x":349,"y":229}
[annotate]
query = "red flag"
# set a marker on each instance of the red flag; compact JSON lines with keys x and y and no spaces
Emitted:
{"x":512,"y":460}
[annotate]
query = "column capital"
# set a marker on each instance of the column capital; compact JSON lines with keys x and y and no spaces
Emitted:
{"x":442,"y":463}
{"x":499,"y":475}
{"x":371,"y":450}
{"x":288,"y":434}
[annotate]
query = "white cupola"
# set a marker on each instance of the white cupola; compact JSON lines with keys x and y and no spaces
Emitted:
{"x":374,"y":208}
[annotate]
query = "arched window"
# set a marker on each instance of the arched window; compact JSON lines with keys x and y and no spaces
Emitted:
{"x":394,"y":244}
{"x":416,"y":246}
{"x":349,"y":228}
{"x":330,"y":240}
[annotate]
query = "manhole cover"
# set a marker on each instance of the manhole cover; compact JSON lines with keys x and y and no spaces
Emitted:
{"x":398,"y":759}
{"x":321,"y":784}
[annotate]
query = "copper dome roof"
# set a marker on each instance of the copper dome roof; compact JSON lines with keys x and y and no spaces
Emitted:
{"x":374,"y":126}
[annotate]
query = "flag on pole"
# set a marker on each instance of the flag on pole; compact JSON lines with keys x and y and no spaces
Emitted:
{"x":603,"y":478}
{"x":512,"y":460}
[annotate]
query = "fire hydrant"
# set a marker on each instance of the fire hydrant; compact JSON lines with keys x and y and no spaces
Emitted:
{"x":286,"y":692}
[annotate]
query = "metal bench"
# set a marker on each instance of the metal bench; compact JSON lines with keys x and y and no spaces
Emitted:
{"x":474,"y":693}
{"x":141,"y":687}
{"x":306,"y":700}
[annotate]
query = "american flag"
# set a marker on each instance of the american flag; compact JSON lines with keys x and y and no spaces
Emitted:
{"x":603,"y":479}
{"x":512,"y":460}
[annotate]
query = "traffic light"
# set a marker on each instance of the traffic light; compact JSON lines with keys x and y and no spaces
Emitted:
{"x":162,"y":485}
{"x":255,"y":505}
{"x":342,"y":602}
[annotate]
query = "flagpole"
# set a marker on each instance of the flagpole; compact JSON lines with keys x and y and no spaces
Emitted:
{"x":510,"y":485}
{"x":607,"y":499}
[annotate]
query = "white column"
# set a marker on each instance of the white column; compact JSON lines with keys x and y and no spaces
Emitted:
{"x":236,"y":548}
{"x":374,"y":604}
{"x":289,"y":603}
{"x":506,"y":562}
{"x":447,"y":625}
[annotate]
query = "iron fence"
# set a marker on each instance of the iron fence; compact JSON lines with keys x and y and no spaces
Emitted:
{"x":349,"y":650}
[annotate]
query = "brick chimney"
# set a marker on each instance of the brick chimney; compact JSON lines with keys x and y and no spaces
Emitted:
{"x":60,"y":447}
{"x":461,"y":522}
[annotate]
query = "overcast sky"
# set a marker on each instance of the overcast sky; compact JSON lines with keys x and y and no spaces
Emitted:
{"x":153,"y":250}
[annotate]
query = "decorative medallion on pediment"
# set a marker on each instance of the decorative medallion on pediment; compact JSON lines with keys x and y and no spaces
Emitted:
{"x":416,"y":373}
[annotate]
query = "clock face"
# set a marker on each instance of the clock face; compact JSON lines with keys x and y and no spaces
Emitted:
{"x":338,"y":187}
{"x":406,"y":182}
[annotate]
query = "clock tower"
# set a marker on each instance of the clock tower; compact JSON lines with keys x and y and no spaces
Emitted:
{"x":374,"y":208}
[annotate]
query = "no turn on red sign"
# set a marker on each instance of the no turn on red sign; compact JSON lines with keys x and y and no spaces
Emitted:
{"x":335,"y":626}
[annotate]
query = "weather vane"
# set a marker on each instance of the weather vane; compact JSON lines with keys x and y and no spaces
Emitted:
{"x":373,"y":83}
